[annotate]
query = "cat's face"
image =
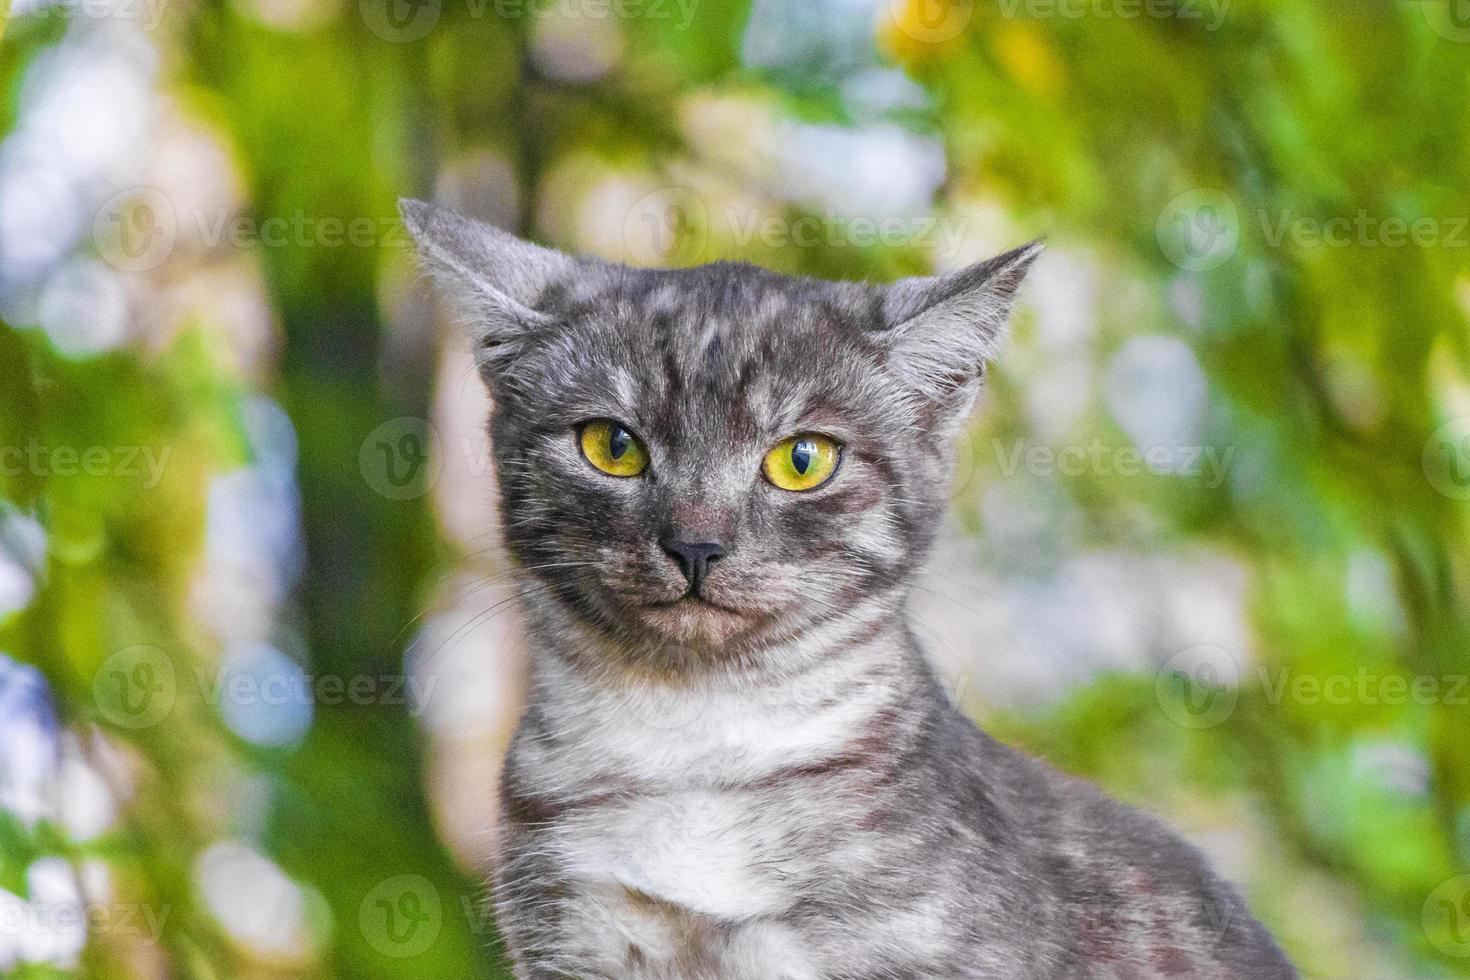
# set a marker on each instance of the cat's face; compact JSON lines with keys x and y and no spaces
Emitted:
{"x":658,"y":416}
{"x":716,"y":459}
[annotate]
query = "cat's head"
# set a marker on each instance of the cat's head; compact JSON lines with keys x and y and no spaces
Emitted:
{"x":719,"y":458}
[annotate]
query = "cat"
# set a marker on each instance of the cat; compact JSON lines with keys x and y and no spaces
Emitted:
{"x":717,"y":485}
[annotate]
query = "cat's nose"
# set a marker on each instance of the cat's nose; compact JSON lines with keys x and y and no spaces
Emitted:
{"x":694,"y":558}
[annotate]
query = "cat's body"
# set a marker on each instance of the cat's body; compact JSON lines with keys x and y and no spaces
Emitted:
{"x":848,"y":824}
{"x":735,"y":763}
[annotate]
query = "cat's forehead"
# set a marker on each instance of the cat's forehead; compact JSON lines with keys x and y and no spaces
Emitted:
{"x":717,"y":346}
{"x":687,"y":302}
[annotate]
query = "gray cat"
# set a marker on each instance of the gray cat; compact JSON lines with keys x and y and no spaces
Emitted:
{"x":718,"y":485}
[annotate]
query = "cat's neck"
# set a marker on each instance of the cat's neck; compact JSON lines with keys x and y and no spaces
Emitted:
{"x":799,"y":704}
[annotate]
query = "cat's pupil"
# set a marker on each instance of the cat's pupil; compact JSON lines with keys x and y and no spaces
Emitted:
{"x":801,"y":456}
{"x":618,"y":443}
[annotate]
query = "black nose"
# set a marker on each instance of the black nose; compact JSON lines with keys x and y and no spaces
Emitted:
{"x":694,"y":558}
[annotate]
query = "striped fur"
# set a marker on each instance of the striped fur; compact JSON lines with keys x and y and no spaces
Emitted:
{"x":772,"y":784}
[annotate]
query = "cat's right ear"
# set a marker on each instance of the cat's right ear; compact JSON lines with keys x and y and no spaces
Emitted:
{"x":489,"y":277}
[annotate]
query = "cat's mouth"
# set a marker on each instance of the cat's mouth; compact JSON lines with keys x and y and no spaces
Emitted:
{"x":697,"y":620}
{"x":694,"y":601}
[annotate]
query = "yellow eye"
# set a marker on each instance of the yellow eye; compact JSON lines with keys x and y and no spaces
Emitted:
{"x":610,"y":447}
{"x":802,"y":462}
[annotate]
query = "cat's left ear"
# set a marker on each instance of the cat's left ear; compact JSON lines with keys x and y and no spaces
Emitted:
{"x":491,"y":278}
{"x":941,"y":330}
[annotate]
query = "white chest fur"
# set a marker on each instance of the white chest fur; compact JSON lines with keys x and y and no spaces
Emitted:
{"x":688,"y":885}
{"x":667,"y":738}
{"x":705,"y":851}
{"x":684,"y":825}
{"x":680,"y":815}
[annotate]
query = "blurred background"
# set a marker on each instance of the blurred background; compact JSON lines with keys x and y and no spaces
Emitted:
{"x":258,"y":657}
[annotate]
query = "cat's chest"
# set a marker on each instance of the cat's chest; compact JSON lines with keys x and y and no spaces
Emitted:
{"x":726,"y":855}
{"x":687,"y":884}
{"x":720,"y":817}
